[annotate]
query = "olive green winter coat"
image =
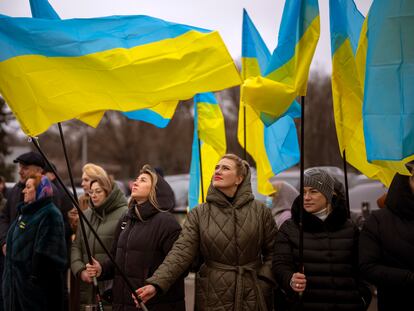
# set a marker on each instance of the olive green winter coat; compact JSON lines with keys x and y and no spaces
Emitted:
{"x":104,"y":220}
{"x":236,"y":243}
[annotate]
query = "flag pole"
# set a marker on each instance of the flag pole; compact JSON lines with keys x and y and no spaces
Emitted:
{"x":82,"y":225}
{"x":244,"y":133}
{"x":201,"y":167}
{"x":346,"y":183}
{"x":302,"y":169}
{"x":81,"y":215}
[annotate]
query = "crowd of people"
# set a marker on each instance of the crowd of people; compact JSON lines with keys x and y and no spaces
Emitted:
{"x":295,"y":255}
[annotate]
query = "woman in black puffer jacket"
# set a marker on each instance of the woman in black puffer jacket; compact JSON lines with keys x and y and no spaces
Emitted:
{"x":142,"y":240}
{"x":330,"y":280}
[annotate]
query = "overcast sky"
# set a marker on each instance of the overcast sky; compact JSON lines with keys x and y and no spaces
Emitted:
{"x":224,"y":16}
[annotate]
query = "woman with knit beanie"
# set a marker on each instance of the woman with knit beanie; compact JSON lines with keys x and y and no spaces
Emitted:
{"x":329,"y":279}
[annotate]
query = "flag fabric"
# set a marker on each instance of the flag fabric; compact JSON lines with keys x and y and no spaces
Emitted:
{"x":209,"y":132}
{"x":388,"y":108}
{"x":348,"y":52}
{"x":43,"y":9}
{"x":274,"y":148}
{"x":159,"y":115}
{"x":286,"y":74}
{"x":56,"y":70}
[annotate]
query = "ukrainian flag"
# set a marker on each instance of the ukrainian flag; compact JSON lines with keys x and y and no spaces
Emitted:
{"x":209,"y":132}
{"x":388,"y":109}
{"x":274,"y":148}
{"x":56,"y":70}
{"x":285,"y":76}
{"x":348,"y":72}
{"x":159,"y":115}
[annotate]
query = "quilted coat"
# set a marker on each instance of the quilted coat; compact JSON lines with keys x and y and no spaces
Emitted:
{"x":236,"y":243}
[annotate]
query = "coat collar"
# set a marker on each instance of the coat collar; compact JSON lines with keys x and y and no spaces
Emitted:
{"x":243,"y":194}
{"x":333,"y":222}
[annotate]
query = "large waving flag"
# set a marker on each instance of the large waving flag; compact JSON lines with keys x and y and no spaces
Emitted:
{"x":209,"y":133}
{"x":56,"y":70}
{"x":388,"y":109}
{"x":346,"y":24}
{"x":159,"y":115}
{"x":285,"y":77}
{"x":274,"y":148}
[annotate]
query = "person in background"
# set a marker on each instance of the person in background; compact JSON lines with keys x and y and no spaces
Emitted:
{"x":30,"y":163}
{"x":282,"y":202}
{"x":143,"y":239}
{"x":386,"y":247}
{"x":36,"y":252}
{"x":330,"y":279}
{"x":4,"y":191}
{"x":106,"y":206}
{"x":234,"y":234}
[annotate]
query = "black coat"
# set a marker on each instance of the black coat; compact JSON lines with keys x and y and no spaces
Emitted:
{"x":330,"y":258}
{"x":387,"y":248}
{"x":140,"y":247}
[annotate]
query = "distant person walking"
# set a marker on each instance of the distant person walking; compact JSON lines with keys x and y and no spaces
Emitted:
{"x":386,"y":248}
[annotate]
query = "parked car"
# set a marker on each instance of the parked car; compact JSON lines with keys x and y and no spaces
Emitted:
{"x":363,"y":197}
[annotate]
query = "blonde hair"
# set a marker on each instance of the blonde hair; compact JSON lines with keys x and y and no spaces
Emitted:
{"x":96,"y":172}
{"x":93,"y":170}
{"x":242,"y":166}
{"x":152,"y":196}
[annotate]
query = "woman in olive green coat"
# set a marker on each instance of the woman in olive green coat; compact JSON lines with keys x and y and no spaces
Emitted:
{"x":234,"y":234}
{"x":107,"y":205}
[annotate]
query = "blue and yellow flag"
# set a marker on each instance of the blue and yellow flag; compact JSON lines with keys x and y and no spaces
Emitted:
{"x":388,"y":109}
{"x":285,"y":76}
{"x":57,"y":70}
{"x":159,"y":115}
{"x":209,"y":132}
{"x":274,"y":148}
{"x":348,"y":72}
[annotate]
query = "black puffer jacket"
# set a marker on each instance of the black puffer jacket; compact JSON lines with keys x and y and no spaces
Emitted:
{"x":387,"y":248}
{"x":330,"y":258}
{"x":140,"y":247}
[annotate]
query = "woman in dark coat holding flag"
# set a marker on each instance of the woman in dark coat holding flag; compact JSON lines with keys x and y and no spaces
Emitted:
{"x":142,"y":239}
{"x":36,"y":252}
{"x":330,"y":280}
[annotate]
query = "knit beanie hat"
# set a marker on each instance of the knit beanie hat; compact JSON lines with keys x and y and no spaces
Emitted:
{"x":320,"y":180}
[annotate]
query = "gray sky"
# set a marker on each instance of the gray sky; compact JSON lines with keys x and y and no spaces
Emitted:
{"x":224,"y":16}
